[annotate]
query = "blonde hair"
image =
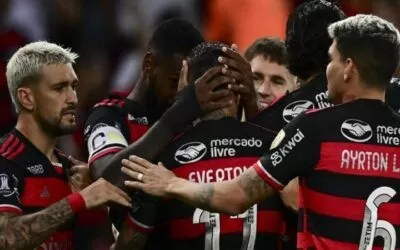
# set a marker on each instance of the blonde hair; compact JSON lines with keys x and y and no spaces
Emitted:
{"x":28,"y":61}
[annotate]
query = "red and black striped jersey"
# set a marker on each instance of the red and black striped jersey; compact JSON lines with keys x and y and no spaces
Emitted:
{"x":212,"y":151}
{"x":112,"y":125}
{"x":347,"y":158}
{"x":29,"y":182}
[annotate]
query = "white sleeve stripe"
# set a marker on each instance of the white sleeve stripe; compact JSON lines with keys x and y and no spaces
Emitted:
{"x":260,"y":166}
{"x":100,"y":151}
{"x":138,"y":223}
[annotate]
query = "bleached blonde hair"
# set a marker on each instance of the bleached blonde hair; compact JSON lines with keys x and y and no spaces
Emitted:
{"x":28,"y":61}
{"x":365,"y":26}
{"x":372,"y":43}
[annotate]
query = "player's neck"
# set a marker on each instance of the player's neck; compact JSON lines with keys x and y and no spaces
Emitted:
{"x":219,"y":114}
{"x":28,"y":127}
{"x":364,"y":93}
{"x":139,"y":92}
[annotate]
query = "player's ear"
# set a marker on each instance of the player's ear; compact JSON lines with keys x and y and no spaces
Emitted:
{"x":26,"y":98}
{"x":149,"y":63}
{"x":350,"y":70}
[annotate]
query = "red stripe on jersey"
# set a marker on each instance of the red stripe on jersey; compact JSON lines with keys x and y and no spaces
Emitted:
{"x":321,"y":243}
{"x":11,"y":148}
{"x":359,"y":159}
{"x":17,"y":151}
{"x":137,"y":130}
{"x":8,"y":208}
{"x":267,"y":222}
{"x":58,"y":167}
{"x":346,"y":208}
{"x":7,"y":143}
{"x":43,"y":191}
{"x":104,"y":152}
{"x":304,"y":240}
{"x":121,"y":103}
{"x":267,"y":177}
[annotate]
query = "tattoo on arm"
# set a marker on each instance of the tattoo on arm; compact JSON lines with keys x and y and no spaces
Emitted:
{"x":130,"y":239}
{"x":204,"y":197}
{"x":29,"y":231}
{"x":254,"y":187}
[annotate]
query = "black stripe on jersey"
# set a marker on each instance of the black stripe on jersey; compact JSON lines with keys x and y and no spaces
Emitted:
{"x":227,"y":241}
{"x":179,"y":210}
{"x":351,"y":186}
{"x":339,"y":229}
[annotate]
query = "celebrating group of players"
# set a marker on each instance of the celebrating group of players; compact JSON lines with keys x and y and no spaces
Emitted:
{"x":317,"y":167}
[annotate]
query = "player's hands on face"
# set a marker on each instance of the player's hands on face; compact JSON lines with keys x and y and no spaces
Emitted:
{"x":239,"y":68}
{"x":209,"y":99}
{"x":80,"y":175}
{"x":150,"y":178}
{"x":183,"y":76}
{"x":102,"y":192}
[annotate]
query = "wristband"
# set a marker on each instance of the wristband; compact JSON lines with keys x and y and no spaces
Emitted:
{"x":76,"y":202}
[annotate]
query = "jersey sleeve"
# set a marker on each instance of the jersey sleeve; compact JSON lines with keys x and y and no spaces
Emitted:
{"x":294,"y":152}
{"x":105,"y":132}
{"x":11,"y":186}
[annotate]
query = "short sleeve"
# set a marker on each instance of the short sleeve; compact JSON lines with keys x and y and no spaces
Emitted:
{"x":294,"y":152}
{"x":11,"y":186}
{"x":105,"y":132}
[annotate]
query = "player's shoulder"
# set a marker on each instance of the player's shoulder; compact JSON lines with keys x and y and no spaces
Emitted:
{"x":108,"y":106}
{"x":257,"y":129}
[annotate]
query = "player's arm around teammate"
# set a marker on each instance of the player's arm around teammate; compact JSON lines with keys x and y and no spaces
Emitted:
{"x":28,"y":231}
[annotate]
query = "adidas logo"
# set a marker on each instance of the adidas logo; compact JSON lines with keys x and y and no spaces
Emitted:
{"x":45,"y":193}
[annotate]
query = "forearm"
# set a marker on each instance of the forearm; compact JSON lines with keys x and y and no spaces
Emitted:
{"x":231,"y":197}
{"x":130,"y":239}
{"x":29,"y":231}
{"x":149,"y":147}
{"x":223,"y":197}
{"x":290,"y":195}
{"x":252,"y":108}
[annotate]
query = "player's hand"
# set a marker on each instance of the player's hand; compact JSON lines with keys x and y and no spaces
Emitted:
{"x":183,"y":76}
{"x":80,"y":175}
{"x":239,"y":68}
{"x":150,"y":178}
{"x":210,"y":100}
{"x":102,"y":192}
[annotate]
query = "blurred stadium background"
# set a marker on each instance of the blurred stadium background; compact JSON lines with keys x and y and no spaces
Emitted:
{"x":111,"y":35}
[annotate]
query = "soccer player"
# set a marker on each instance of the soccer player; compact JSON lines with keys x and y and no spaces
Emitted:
{"x":346,"y":155}
{"x":268,"y":60}
{"x":114,"y":123}
{"x":307,"y":44}
{"x":37,"y":207}
{"x":219,"y":147}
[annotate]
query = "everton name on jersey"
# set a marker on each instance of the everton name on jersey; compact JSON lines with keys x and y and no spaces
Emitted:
{"x":213,"y":151}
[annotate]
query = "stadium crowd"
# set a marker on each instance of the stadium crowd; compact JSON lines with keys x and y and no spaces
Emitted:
{"x":237,"y":135}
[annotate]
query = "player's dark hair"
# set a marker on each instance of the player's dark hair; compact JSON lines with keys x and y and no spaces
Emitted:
{"x":372,"y":43}
{"x":174,"y":37}
{"x":307,"y":39}
{"x":271,"y":49}
{"x":203,"y":57}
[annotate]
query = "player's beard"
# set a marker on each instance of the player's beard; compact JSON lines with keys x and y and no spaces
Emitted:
{"x":54,"y":126}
